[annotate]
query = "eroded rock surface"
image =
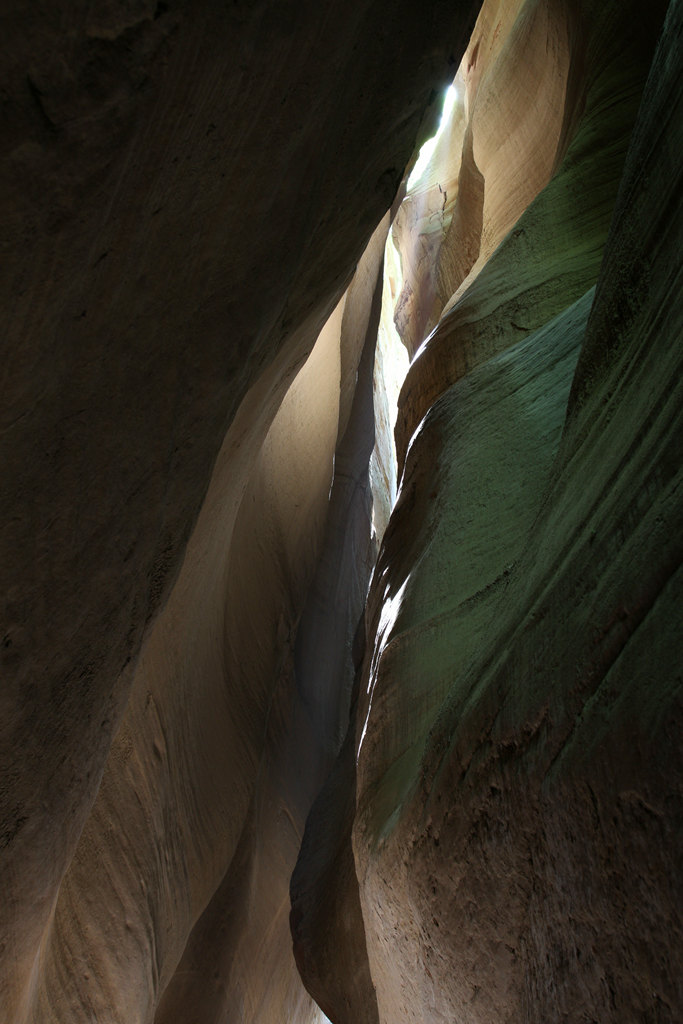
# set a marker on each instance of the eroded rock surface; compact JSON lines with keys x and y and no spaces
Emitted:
{"x":194,"y":205}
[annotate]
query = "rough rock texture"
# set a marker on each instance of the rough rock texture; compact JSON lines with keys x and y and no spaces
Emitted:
{"x":185,"y":192}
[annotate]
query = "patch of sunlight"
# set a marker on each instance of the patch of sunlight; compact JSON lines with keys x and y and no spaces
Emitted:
{"x":394,"y":352}
{"x":422,"y":347}
{"x":427,"y":150}
{"x":391,"y":366}
{"x":390,"y":610}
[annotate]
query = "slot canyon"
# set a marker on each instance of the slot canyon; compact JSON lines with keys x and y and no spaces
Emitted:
{"x":341,"y":671}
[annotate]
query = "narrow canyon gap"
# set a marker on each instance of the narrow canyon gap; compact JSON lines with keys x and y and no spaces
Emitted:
{"x":298,"y":718}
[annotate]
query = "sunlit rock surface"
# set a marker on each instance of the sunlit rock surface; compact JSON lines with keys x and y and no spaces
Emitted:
{"x":552,"y":254}
{"x":500,"y":139}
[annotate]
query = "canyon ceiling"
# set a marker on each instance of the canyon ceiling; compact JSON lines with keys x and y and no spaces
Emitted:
{"x":296,"y":716}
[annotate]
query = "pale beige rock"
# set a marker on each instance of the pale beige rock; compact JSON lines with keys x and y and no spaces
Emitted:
{"x":422,"y":222}
{"x":553,"y":254}
{"x":496,"y":152}
{"x":238,"y":957}
{"x":182,"y":771}
{"x":226,"y":740}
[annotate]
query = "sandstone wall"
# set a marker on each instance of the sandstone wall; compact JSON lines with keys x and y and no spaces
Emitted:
{"x":186,"y":190}
{"x":516,"y":823}
{"x":517,"y":805}
{"x":193,"y":200}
